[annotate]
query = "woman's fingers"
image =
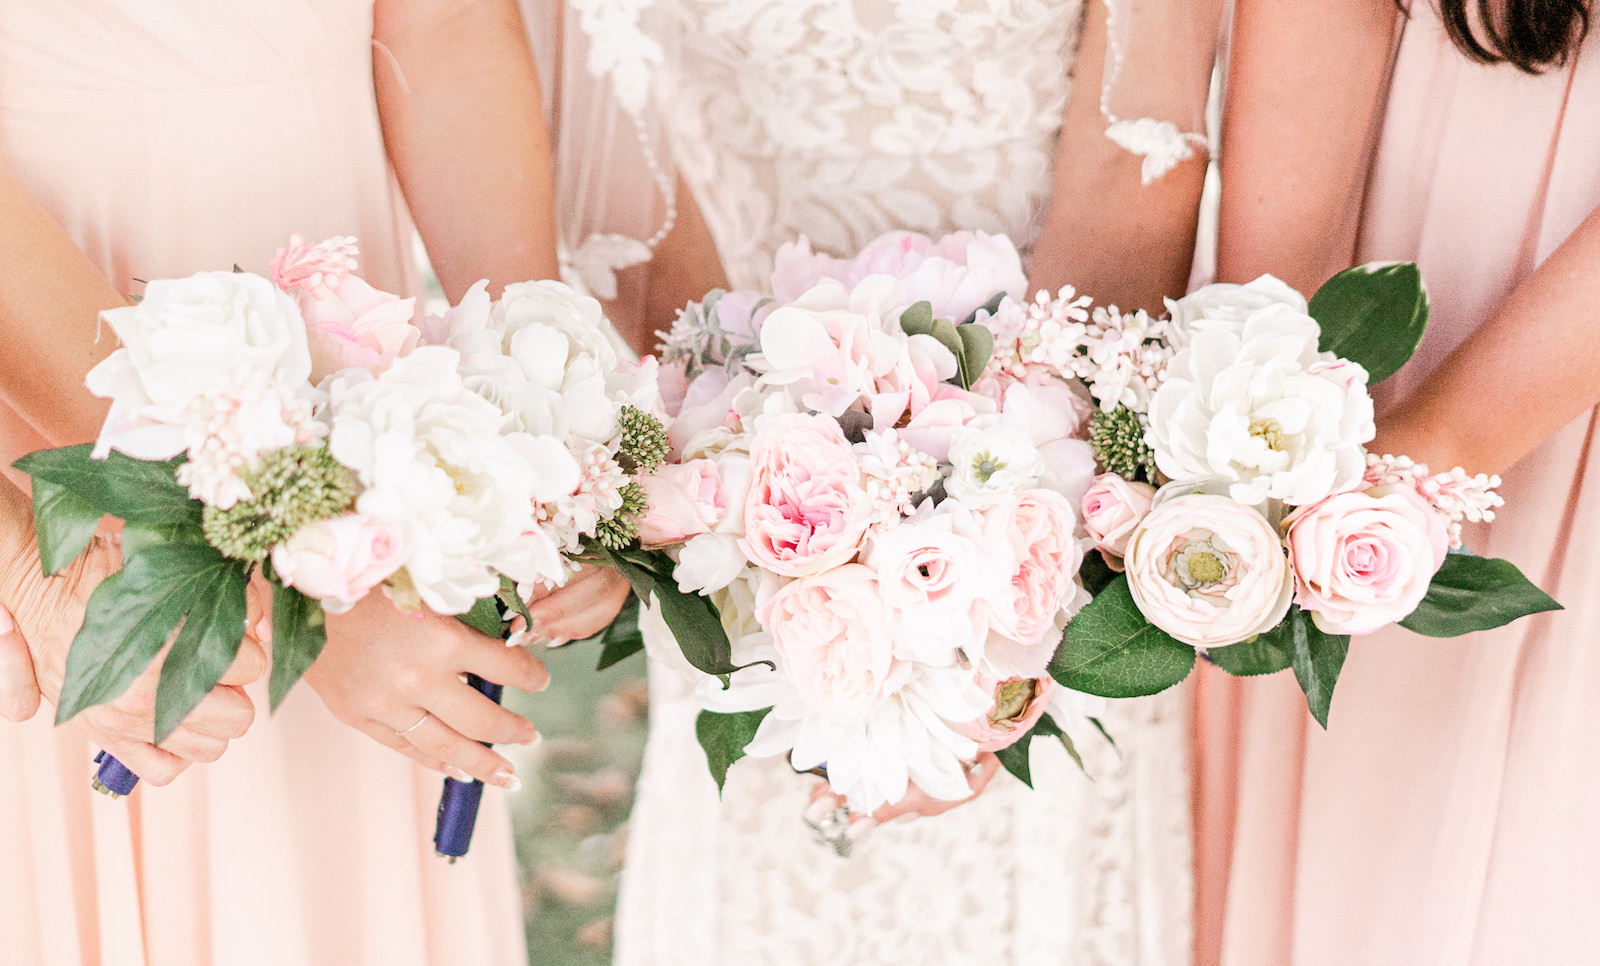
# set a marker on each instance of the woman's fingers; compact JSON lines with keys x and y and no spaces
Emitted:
{"x":581,"y":607}
{"x":250,"y":664}
{"x":438,"y":740}
{"x":511,"y":666}
{"x":19,"y":689}
{"x":919,"y":803}
{"x":390,"y":738}
{"x":193,"y":746}
{"x":226,"y":713}
{"x":474,"y":716}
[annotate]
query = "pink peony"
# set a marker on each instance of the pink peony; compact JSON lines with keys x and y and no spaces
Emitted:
{"x":829,"y":349}
{"x":805,"y":511}
{"x":1208,"y":570}
{"x":1112,"y":507}
{"x":1019,"y":703}
{"x":355,"y":325}
{"x":685,"y":500}
{"x":339,"y":561}
{"x":1363,"y":560}
{"x":831,"y":632}
{"x":1037,"y":527}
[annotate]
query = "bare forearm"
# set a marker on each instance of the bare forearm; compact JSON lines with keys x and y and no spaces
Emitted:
{"x":1537,"y":356}
{"x":464,"y":128}
{"x":49,"y":309}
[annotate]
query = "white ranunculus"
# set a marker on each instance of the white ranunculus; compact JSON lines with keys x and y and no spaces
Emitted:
{"x":430,"y":453}
{"x":990,"y":463}
{"x":1263,"y":411}
{"x":187,"y":339}
{"x":1227,"y":306}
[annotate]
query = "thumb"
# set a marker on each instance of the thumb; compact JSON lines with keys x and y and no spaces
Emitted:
{"x":248,"y":666}
{"x":19,"y":690}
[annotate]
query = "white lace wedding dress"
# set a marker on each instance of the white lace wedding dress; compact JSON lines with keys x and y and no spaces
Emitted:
{"x":840,"y":120}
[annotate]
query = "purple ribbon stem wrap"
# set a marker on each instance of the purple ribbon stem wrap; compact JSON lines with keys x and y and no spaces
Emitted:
{"x":113,"y":778}
{"x":458,"y":803}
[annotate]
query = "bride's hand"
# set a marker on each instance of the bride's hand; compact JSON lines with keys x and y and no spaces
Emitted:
{"x":916,"y":803}
{"x":19,"y":690}
{"x":400,"y":680}
{"x":579,"y":608}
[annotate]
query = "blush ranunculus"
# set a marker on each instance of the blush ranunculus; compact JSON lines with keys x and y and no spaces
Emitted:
{"x":934,"y":578}
{"x":354,"y":324}
{"x":1019,"y":703}
{"x":340,"y":560}
{"x":1208,"y":570}
{"x":1363,"y":560}
{"x":831,"y":632}
{"x":1111,"y":508}
{"x":1037,"y":528}
{"x":685,"y":499}
{"x":805,"y":510}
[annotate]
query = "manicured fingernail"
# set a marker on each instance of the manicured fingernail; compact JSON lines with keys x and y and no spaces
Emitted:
{"x":508,"y":781}
{"x":7,"y":625}
{"x":860,"y":828}
{"x":458,"y":774}
{"x":555,"y":642}
{"x":819,"y":809}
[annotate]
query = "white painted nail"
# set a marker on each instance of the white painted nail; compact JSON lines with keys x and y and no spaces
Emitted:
{"x":457,"y":774}
{"x":508,"y":781}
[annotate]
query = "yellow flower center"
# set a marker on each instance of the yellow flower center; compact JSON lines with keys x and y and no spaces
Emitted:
{"x":1269,"y":432}
{"x":1012,"y":700}
{"x":1205,"y":568}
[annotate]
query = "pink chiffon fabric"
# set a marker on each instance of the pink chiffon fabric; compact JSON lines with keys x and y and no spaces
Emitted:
{"x":1449,"y":814}
{"x":168,"y":137}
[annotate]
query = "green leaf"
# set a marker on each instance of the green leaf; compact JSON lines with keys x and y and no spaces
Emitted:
{"x":1095,"y":574}
{"x":1374,"y":315}
{"x":950,"y":337}
{"x":622,"y":639}
{"x":511,"y":601}
{"x":299,"y":632}
{"x":693,"y":619}
{"x":1316,"y":658}
{"x":1100,"y":727}
{"x":724,"y":737}
{"x":138,"y":536}
{"x":1266,"y":653}
{"x":991,"y":307}
{"x":63,"y":523}
{"x":1474,"y":594}
{"x":977,"y":346}
{"x":1015,"y":756}
{"x":484,"y":617}
{"x":138,"y":491}
{"x":208,"y":642}
{"x":1112,"y":650}
{"x":918,"y":319}
{"x":131,"y":615}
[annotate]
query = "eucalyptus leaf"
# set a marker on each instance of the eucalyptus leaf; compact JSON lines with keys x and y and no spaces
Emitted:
{"x":299,"y":633}
{"x":1317,"y":659}
{"x":1111,"y":649}
{"x":977,"y":347}
{"x":63,"y":524}
{"x":724,"y":738}
{"x":918,"y":319}
{"x":206,"y":646}
{"x":990,"y":307}
{"x":1373,"y":315}
{"x":1474,"y":594}
{"x":138,"y":491}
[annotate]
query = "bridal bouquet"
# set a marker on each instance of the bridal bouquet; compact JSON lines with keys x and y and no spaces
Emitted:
{"x":298,"y":427}
{"x":1239,"y":514}
{"x":887,"y":523}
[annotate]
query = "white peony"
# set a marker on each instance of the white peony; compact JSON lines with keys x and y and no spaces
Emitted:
{"x":991,"y":463}
{"x":188,"y":339}
{"x":431,"y":454}
{"x":1263,"y":411}
{"x":1227,"y":306}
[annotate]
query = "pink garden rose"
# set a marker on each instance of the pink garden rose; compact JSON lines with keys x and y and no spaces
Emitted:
{"x":339,"y":561}
{"x":1036,"y":527}
{"x":356,"y":325}
{"x":831,"y":632}
{"x":1019,"y":703}
{"x":1208,"y":570}
{"x":805,"y":511}
{"x":1364,"y":559}
{"x":685,"y":499}
{"x":1112,"y":508}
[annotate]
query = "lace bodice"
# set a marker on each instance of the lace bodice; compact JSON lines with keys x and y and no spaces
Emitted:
{"x":844,"y":119}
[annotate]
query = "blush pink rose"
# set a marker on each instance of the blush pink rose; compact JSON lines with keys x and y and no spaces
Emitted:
{"x":1037,"y":526}
{"x":1019,"y":703}
{"x":685,"y":500}
{"x":339,"y":561}
{"x":1363,"y":560}
{"x":1111,"y":508}
{"x":831,"y":632}
{"x":805,"y":510}
{"x":355,"y":325}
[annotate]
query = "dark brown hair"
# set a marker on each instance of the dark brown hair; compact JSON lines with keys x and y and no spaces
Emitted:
{"x":1535,"y":35}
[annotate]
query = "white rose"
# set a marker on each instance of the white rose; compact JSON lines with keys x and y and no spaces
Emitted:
{"x":1263,"y":411}
{"x":1226,"y":306}
{"x":430,"y":454}
{"x":991,"y":463}
{"x":188,"y":338}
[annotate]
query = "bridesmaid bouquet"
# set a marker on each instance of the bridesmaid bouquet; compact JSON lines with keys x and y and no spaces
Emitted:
{"x":1239,"y":515}
{"x":296,"y":427}
{"x":886,"y":522}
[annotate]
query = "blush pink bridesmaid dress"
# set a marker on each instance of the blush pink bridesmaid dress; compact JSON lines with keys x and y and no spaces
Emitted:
{"x":1450,"y":816}
{"x":171,"y":136}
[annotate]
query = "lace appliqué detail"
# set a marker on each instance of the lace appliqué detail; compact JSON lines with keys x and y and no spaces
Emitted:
{"x":1160,"y":143}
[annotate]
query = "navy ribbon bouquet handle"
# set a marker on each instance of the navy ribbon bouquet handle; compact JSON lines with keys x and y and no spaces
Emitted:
{"x":458,"y":803}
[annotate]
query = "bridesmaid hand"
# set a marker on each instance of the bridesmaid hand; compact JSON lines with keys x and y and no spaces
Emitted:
{"x":579,"y":608}
{"x":19,"y":691}
{"x":916,"y":803}
{"x":400,"y":680}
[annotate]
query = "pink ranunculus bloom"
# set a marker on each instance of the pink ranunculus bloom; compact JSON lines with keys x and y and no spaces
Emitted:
{"x":805,"y":510}
{"x":1037,"y":527}
{"x":1364,"y":559}
{"x":339,"y":561}
{"x":934,"y":577}
{"x":1208,"y":570}
{"x":1111,"y":508}
{"x":685,"y":499}
{"x":356,"y":325}
{"x":1019,"y":703}
{"x":831,"y":632}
